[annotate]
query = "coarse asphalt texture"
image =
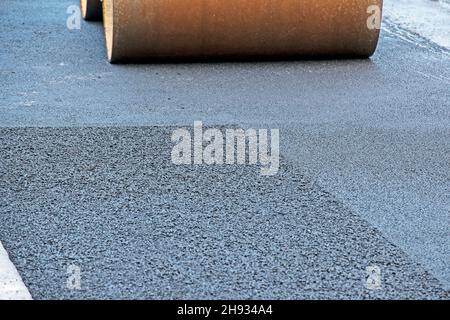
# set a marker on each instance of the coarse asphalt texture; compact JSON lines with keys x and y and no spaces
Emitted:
{"x":86,"y":177}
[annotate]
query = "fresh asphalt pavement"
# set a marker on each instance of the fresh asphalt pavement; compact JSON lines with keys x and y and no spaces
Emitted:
{"x":87,"y":178}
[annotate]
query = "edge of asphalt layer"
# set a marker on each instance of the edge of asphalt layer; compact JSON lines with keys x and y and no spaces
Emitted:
{"x":407,"y":201}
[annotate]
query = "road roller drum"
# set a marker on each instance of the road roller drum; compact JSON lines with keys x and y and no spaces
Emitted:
{"x":192,"y":29}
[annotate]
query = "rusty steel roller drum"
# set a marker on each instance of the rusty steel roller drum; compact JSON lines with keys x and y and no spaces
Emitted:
{"x":180,"y":29}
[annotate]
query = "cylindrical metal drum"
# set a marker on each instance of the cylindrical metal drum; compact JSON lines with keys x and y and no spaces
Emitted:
{"x":165,"y":29}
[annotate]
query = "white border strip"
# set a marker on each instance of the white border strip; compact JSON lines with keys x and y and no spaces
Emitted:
{"x":11,"y":284}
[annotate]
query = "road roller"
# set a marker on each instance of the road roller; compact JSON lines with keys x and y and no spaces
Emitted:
{"x":236,"y":29}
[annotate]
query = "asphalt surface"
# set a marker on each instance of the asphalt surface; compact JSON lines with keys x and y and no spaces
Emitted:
{"x":86,"y":176}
